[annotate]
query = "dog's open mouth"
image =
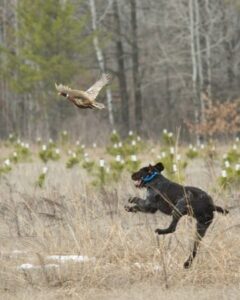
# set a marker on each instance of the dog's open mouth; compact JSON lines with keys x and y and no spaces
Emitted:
{"x":139,"y":183}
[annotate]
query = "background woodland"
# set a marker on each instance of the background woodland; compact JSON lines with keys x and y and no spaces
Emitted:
{"x":176,"y":65}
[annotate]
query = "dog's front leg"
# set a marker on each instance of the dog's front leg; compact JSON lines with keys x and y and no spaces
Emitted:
{"x":141,"y":205}
{"x":132,"y":209}
{"x":135,"y":200}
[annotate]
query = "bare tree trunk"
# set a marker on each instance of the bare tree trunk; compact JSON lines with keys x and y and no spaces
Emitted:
{"x":1,"y":61}
{"x":100,"y":58}
{"x":16,"y":51}
{"x":121,"y":71}
{"x":9,"y":29}
{"x":199,"y":62}
{"x":194,"y":62}
{"x":5,"y":88}
{"x":227,"y":46}
{"x":208,"y":31}
{"x":168,"y":100}
{"x":136,"y":72}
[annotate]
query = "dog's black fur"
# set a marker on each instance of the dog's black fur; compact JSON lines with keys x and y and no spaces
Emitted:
{"x":174,"y":199}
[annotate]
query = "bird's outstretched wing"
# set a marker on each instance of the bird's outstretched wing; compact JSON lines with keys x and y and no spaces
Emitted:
{"x":98,"y":105}
{"x":72,"y":93}
{"x":94,"y":90}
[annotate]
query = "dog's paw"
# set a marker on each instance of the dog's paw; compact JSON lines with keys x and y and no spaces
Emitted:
{"x":159,"y":231}
{"x":132,"y":200}
{"x":187,"y":264}
{"x":130,"y":209}
{"x":127,"y":208}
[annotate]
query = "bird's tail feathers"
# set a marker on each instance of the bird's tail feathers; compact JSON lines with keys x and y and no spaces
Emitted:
{"x":98,"y":105}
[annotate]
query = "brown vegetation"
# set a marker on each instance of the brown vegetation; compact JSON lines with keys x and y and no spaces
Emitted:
{"x":127,"y":259}
{"x":220,"y":119}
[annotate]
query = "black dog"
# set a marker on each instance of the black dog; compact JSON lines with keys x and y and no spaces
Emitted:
{"x":173,"y":199}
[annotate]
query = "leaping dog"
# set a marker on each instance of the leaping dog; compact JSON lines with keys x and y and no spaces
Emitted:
{"x":173,"y":199}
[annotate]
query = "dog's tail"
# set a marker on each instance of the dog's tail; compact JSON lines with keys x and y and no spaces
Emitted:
{"x":221,"y":210}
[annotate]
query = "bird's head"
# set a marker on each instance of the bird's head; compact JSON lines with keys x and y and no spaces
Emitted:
{"x":59,"y":88}
{"x":62,"y":94}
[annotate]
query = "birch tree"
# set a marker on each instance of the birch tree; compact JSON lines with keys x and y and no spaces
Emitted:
{"x":135,"y":68}
{"x":192,"y":25}
{"x":207,"y":35}
{"x":100,"y":59}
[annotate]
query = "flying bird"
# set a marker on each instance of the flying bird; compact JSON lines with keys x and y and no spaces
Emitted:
{"x":85,"y":99}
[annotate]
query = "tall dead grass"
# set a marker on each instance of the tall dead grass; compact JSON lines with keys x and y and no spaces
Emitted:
{"x":69,"y":216}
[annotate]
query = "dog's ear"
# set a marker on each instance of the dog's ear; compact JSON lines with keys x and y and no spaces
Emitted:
{"x":159,"y":166}
{"x":150,"y":167}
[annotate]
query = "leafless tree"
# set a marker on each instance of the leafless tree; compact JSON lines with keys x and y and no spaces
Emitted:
{"x":166,"y":54}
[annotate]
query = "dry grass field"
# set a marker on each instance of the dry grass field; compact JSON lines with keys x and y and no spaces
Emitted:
{"x":116,"y":254}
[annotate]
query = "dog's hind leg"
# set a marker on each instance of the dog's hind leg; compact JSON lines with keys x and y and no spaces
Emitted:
{"x":201,"y":231}
{"x":171,"y":228}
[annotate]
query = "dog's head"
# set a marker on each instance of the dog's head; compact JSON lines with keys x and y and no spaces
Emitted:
{"x":146,"y":172}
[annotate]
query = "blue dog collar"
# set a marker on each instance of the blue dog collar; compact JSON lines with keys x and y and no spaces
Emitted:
{"x":150,"y":177}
